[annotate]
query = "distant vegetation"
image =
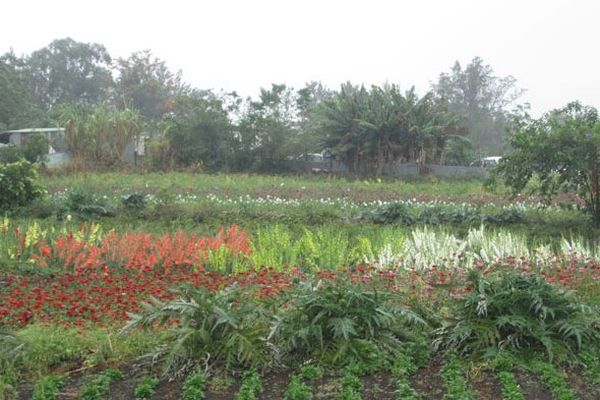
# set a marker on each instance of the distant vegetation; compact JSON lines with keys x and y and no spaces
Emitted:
{"x":104,"y":102}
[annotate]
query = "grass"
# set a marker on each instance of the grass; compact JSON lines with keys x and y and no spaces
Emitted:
{"x":260,"y":185}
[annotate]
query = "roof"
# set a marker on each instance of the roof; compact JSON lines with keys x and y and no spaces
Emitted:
{"x":36,"y":130}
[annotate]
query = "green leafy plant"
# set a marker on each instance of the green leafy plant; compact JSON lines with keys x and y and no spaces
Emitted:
{"x":351,"y":386}
{"x":47,"y":387}
{"x":98,"y":387}
{"x":19,"y":183}
{"x":297,"y":390}
{"x":553,"y":380}
{"x":311,"y":373}
{"x":506,"y":309}
{"x":591,"y":365}
{"x":402,"y":369}
{"x":503,"y":366}
{"x":453,"y":375}
{"x":194,"y":386}
{"x":341,"y":322}
{"x":226,"y":324}
{"x":145,"y":388}
{"x":251,"y":386}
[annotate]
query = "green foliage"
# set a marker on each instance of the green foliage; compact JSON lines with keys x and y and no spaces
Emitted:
{"x":392,"y":214}
{"x":69,"y":71}
{"x":146,"y":83}
{"x":351,"y":386}
{"x":453,"y":375}
{"x":98,"y":388}
{"x":503,"y":366}
{"x":145,"y":388}
{"x":199,"y":132}
{"x":251,"y":386}
{"x":297,"y":390}
{"x":481,"y":99}
{"x":342,"y":323}
{"x":216,"y":324}
{"x":311,"y":372}
{"x":553,"y":380}
{"x":134,"y":202}
{"x":47,"y":387}
{"x":98,"y":134}
{"x":19,"y":182}
{"x":369,"y":130}
{"x":17,"y":107}
{"x":506,"y":309}
{"x":194,"y":386}
{"x":34,"y":150}
{"x":560,"y":151}
{"x":591,"y":365}
{"x":402,"y":369}
{"x":85,"y":205}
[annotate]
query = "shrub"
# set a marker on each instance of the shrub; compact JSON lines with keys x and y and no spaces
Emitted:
{"x":19,"y":185}
{"x":224,"y":324}
{"x":510,"y":310}
{"x":341,"y":322}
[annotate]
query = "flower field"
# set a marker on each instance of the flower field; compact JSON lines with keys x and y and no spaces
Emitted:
{"x":383,"y":304}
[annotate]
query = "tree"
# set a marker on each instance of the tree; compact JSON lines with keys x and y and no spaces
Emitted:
{"x":482,"y":98}
{"x":17,"y":109}
{"x":146,"y":83}
{"x":67,"y":71}
{"x":199,"y":131}
{"x":99,"y":134}
{"x":369,"y":130}
{"x":562,"y":149}
{"x":267,"y":129}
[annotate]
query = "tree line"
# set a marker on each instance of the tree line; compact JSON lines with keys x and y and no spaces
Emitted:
{"x":103,"y":102}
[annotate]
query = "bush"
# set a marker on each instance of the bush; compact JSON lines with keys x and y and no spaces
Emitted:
{"x":33,"y":151}
{"x":342,"y":323}
{"x":19,"y":185}
{"x":225,"y":325}
{"x":510,"y":310}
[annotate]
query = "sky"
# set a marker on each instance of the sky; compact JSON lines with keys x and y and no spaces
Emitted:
{"x":551,"y":47}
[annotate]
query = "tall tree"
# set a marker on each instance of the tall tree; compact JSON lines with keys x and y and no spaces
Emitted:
{"x":482,"y":98}
{"x":67,"y":71}
{"x":146,"y":83}
{"x":371,"y":129}
{"x":562,"y":149}
{"x":15,"y":99}
{"x":199,"y":132}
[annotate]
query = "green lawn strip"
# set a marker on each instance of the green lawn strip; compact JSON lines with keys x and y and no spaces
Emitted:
{"x":453,"y":376}
{"x":402,"y":370}
{"x":553,"y":380}
{"x":47,"y":387}
{"x":194,"y":386}
{"x":98,"y":388}
{"x":503,"y":367}
{"x":145,"y":388}
{"x":251,"y":386}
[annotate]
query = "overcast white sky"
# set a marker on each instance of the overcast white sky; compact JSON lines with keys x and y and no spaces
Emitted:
{"x":552,"y":47}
